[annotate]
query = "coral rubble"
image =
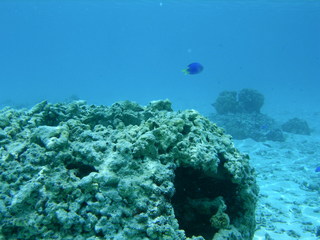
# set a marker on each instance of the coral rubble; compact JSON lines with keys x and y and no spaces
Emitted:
{"x":75,"y":171}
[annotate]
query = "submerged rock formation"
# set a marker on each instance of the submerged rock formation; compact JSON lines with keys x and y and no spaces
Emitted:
{"x":296,"y":126}
{"x":239,"y":114}
{"x":246,"y":101}
{"x":74,"y":171}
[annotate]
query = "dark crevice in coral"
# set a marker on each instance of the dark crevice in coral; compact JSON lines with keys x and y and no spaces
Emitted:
{"x":198,"y":198}
{"x":51,"y":117}
{"x":81,"y":170}
{"x":100,"y":234}
{"x":39,"y":142}
{"x":153,"y":125}
{"x":160,"y":148}
{"x":186,"y":129}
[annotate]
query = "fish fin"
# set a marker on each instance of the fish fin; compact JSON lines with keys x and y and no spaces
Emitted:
{"x":185,"y":71}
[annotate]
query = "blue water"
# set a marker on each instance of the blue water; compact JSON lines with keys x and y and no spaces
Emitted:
{"x":106,"y":51}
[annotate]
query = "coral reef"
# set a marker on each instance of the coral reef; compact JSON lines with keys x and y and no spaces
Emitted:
{"x":86,"y":172}
{"x":239,"y":114}
{"x":297,"y":126}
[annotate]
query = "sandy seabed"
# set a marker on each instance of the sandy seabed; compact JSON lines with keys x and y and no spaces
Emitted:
{"x":289,"y":200}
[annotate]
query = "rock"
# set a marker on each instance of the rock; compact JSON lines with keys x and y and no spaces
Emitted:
{"x":239,"y":114}
{"x":246,"y":101}
{"x":51,"y":137}
{"x":257,"y":126}
{"x":297,"y":126}
{"x":250,"y":101}
{"x":226,"y":102}
{"x":74,"y":171}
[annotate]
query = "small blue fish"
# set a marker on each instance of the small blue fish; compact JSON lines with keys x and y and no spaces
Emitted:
{"x":265,"y":127}
{"x":193,"y":68}
{"x":318,"y":169}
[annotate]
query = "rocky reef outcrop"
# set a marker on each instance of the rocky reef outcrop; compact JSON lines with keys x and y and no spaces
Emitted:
{"x":239,"y":114}
{"x":246,"y":101}
{"x":296,"y":126}
{"x":86,"y":172}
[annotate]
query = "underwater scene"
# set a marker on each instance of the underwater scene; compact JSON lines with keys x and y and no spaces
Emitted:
{"x":160,"y":119}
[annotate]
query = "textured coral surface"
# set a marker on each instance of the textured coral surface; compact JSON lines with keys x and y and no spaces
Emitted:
{"x":78,"y":171}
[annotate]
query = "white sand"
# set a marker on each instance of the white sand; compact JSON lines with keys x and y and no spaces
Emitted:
{"x":289,"y":201}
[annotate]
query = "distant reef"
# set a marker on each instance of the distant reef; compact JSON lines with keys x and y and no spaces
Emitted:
{"x":86,"y":172}
{"x":239,"y":114}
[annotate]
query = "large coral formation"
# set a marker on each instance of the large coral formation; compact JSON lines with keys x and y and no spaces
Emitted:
{"x":74,"y":171}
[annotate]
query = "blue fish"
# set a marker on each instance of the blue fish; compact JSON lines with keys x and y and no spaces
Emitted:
{"x":318,"y":169}
{"x":193,"y":68}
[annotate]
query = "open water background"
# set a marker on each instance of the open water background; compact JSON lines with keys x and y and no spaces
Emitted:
{"x":107,"y":51}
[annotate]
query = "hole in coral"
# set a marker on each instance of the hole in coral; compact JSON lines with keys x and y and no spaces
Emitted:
{"x":81,"y":170}
{"x":198,"y":198}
